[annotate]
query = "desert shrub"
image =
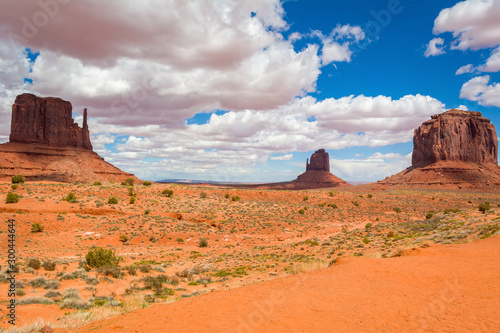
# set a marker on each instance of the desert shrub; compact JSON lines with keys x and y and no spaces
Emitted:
{"x":202,"y":242}
{"x":397,"y":209}
{"x":100,"y":257}
{"x":11,"y":198}
{"x":38,"y":282}
{"x":17,"y":179}
{"x":68,"y":276}
{"x":451,"y":210}
{"x":226,"y":195}
{"x":370,"y":195}
{"x":167,"y":193}
{"x":305,"y":198}
{"x":301,"y":211}
{"x":91,"y":280}
{"x":71,"y":198}
{"x":429,"y":215}
{"x":179,"y":240}
{"x":390,"y":234}
{"x":235,"y":198}
{"x":51,"y":284}
{"x":78,"y":304}
{"x":368,"y":225}
{"x":355,"y":203}
{"x":132,"y":200}
{"x":144,"y":268}
{"x":49,"y":265}
{"x":153,"y":239}
{"x":203,"y":195}
{"x":20,"y":292}
{"x":52,"y":294}
{"x":483,"y":207}
{"x":128,"y":182}
{"x":34,"y":300}
{"x":131,"y":270}
{"x":123,"y":238}
{"x":36,"y":227}
{"x":34,"y":263}
{"x":147,"y":211}
{"x":146,"y":183}
{"x":97,"y":184}
{"x":366,"y":240}
{"x":154,"y":283}
{"x":112,"y":271}
{"x":113,"y":201}
{"x":131,"y":191}
{"x":14,"y":186}
{"x":332,"y":205}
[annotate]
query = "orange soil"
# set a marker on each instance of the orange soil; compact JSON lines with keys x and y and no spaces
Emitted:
{"x":452,"y":288}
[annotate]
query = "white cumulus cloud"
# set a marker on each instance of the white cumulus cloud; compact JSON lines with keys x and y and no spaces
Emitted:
{"x":478,"y":89}
{"x":433,"y":48}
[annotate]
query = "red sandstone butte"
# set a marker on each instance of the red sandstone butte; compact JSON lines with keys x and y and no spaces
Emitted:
{"x":455,"y":149}
{"x":46,"y":144}
{"x":318,"y":173}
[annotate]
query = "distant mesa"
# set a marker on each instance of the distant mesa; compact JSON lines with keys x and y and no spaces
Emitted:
{"x":456,"y":149}
{"x":46,"y":144}
{"x":318,"y":173}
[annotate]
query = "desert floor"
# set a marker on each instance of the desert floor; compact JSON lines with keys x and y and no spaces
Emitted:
{"x":351,"y":259}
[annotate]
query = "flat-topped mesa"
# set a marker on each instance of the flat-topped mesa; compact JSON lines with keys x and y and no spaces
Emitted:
{"x":320,"y":161}
{"x":47,"y":121}
{"x":455,"y":136}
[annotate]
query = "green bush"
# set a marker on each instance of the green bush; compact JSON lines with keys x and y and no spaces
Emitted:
{"x":334,"y":206}
{"x":370,"y":195}
{"x":179,"y":240}
{"x":355,"y":203}
{"x":203,"y":195}
{"x":17,"y":179}
{"x":11,"y":198}
{"x":100,"y":257}
{"x":113,"y":201}
{"x":146,"y":212}
{"x":429,"y":216}
{"x":483,"y":207}
{"x":301,"y":211}
{"x":128,"y":182}
{"x":14,"y":186}
{"x":36,"y":227}
{"x":368,"y":225}
{"x":226,"y":195}
{"x":146,"y":183}
{"x":112,"y":271}
{"x":71,"y":198}
{"x":132,"y":200}
{"x":167,"y":193}
{"x":305,"y":198}
{"x":123,"y":238}
{"x":97,"y":183}
{"x":235,"y":198}
{"x":203,"y":242}
{"x":397,"y":209}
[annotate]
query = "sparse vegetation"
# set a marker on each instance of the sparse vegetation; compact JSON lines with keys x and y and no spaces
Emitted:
{"x":167,"y":193}
{"x":71,"y":198}
{"x":99,"y":257}
{"x":202,"y":242}
{"x":12,"y":198}
{"x":483,"y":207}
{"x":113,"y":201}
{"x":36,"y":227}
{"x":146,"y":183}
{"x":18,"y":179}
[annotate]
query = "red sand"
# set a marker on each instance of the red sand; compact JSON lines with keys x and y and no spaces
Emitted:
{"x":451,"y":288}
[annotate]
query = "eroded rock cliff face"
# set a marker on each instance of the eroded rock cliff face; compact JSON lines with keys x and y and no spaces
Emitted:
{"x":46,"y":144}
{"x":319,"y":161}
{"x":453,"y":150}
{"x":47,"y":121}
{"x":455,"y":135}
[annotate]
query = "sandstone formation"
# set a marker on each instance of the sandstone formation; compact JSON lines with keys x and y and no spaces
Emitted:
{"x":46,"y":144}
{"x":456,"y":150}
{"x":47,"y":121}
{"x":455,"y":136}
{"x":318,"y":173}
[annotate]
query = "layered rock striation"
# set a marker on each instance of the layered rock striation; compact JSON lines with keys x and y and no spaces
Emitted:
{"x":455,"y":135}
{"x":456,"y":149}
{"x":47,"y":121}
{"x":46,"y":144}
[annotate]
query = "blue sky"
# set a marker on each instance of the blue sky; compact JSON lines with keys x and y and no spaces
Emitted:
{"x":248,"y":90}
